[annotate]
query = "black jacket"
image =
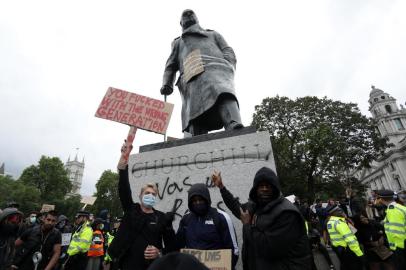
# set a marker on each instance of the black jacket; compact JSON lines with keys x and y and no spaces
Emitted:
{"x":277,"y":238}
{"x":138,"y":230}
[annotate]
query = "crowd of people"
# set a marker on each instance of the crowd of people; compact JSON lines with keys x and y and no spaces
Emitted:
{"x":277,"y":234}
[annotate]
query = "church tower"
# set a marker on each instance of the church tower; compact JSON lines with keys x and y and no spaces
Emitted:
{"x":75,"y":170}
{"x":390,"y":119}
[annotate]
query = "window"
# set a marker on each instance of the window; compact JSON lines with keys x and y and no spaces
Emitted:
{"x":399,"y":124}
{"x":388,"y":108}
{"x":376,"y":99}
{"x":382,"y":97}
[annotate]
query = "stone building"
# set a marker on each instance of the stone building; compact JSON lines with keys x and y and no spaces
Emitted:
{"x":389,"y":170}
{"x":75,"y":170}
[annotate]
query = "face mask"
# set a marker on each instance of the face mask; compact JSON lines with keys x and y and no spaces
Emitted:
{"x":148,"y":200}
{"x":101,"y":226}
{"x":200,"y":209}
{"x":33,"y":219}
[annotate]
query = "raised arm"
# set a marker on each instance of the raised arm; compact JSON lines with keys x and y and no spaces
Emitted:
{"x":124,"y":189}
{"x":232,"y":203}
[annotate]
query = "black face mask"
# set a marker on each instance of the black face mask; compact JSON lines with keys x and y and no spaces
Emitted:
{"x":200,"y":209}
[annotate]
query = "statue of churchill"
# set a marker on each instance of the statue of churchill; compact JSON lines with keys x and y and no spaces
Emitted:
{"x":206,"y":66}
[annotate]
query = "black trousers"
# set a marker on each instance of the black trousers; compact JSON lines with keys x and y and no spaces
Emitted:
{"x":348,"y":259}
{"x":399,"y":259}
{"x":77,"y":262}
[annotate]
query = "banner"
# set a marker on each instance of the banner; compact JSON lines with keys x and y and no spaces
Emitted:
{"x":219,"y":259}
{"x":47,"y":207}
{"x":135,"y":110}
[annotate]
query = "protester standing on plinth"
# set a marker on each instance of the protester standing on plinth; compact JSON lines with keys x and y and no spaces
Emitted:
{"x":205,"y":227}
{"x":274,"y":231}
{"x":138,"y":241}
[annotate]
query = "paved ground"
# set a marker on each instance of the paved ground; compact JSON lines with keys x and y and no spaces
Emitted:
{"x":321,"y":263}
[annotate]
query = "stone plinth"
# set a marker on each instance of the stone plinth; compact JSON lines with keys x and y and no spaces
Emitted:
{"x":175,"y":166}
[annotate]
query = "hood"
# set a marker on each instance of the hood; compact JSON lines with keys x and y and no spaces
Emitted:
{"x":62,"y":218}
{"x":199,"y":189}
{"x":103,"y":214}
{"x":268,"y":175}
{"x":7,"y":212}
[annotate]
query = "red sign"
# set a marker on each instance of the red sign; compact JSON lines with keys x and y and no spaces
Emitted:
{"x":135,"y":110}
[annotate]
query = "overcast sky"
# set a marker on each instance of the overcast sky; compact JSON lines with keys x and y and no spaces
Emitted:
{"x":57,"y":59}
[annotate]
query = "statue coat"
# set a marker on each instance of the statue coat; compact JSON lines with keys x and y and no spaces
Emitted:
{"x":200,"y":93}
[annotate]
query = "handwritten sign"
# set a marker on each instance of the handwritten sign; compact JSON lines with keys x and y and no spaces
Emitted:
{"x":47,"y":207}
{"x":135,"y":110}
{"x":219,"y":259}
{"x":66,"y":239}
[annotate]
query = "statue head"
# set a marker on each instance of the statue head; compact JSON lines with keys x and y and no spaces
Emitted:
{"x":188,"y":18}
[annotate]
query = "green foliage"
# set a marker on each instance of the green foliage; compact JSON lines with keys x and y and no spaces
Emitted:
{"x":11,"y":190}
{"x":316,"y":141}
{"x":49,"y":177}
{"x":68,"y":206}
{"x":45,"y":183}
{"x":107,"y":194}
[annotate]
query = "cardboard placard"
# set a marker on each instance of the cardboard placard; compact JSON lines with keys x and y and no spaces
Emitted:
{"x":47,"y":207}
{"x":135,"y":110}
{"x":88,"y":200}
{"x":219,"y":259}
{"x":66,"y":239}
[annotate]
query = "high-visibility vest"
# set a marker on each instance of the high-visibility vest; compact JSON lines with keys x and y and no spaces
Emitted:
{"x":395,"y":225}
{"x":97,"y":247}
{"x":81,"y":240}
{"x":341,"y":235}
{"x":110,"y":238}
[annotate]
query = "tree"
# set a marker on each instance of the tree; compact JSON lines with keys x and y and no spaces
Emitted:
{"x":107,"y":194}
{"x":316,"y":141}
{"x":49,"y":177}
{"x":11,"y":190}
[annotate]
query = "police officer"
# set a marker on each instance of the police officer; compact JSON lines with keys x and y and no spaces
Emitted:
{"x":395,"y":226}
{"x":80,"y":243}
{"x":343,"y":240}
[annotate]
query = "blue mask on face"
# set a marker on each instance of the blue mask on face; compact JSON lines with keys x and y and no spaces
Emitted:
{"x":148,"y":200}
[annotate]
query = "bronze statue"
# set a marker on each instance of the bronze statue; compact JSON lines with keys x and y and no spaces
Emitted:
{"x":206,"y":81}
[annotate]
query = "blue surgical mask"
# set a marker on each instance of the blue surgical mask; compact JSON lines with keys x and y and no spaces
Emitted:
{"x":148,"y":200}
{"x":33,"y":219}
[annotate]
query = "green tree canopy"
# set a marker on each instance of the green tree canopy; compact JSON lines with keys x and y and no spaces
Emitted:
{"x":11,"y":190}
{"x":107,"y":194}
{"x":316,"y":141}
{"x":49,"y":177}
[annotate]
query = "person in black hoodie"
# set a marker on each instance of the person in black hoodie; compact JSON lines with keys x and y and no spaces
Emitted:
{"x":274,"y":231}
{"x":139,"y":238}
{"x":205,"y":227}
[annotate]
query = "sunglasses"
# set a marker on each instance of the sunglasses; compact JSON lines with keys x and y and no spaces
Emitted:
{"x":14,"y":218}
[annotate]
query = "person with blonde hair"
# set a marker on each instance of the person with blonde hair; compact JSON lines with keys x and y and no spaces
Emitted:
{"x":143,"y":230}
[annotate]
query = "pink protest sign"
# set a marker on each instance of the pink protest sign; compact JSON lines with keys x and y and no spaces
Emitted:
{"x":135,"y":110}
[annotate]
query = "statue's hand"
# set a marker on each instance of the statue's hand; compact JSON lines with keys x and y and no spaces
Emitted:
{"x":166,"y":90}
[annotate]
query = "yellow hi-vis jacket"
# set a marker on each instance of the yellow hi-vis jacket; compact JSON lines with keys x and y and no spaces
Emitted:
{"x":110,"y":238}
{"x":341,"y":235}
{"x":395,"y":225}
{"x":81,"y":240}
